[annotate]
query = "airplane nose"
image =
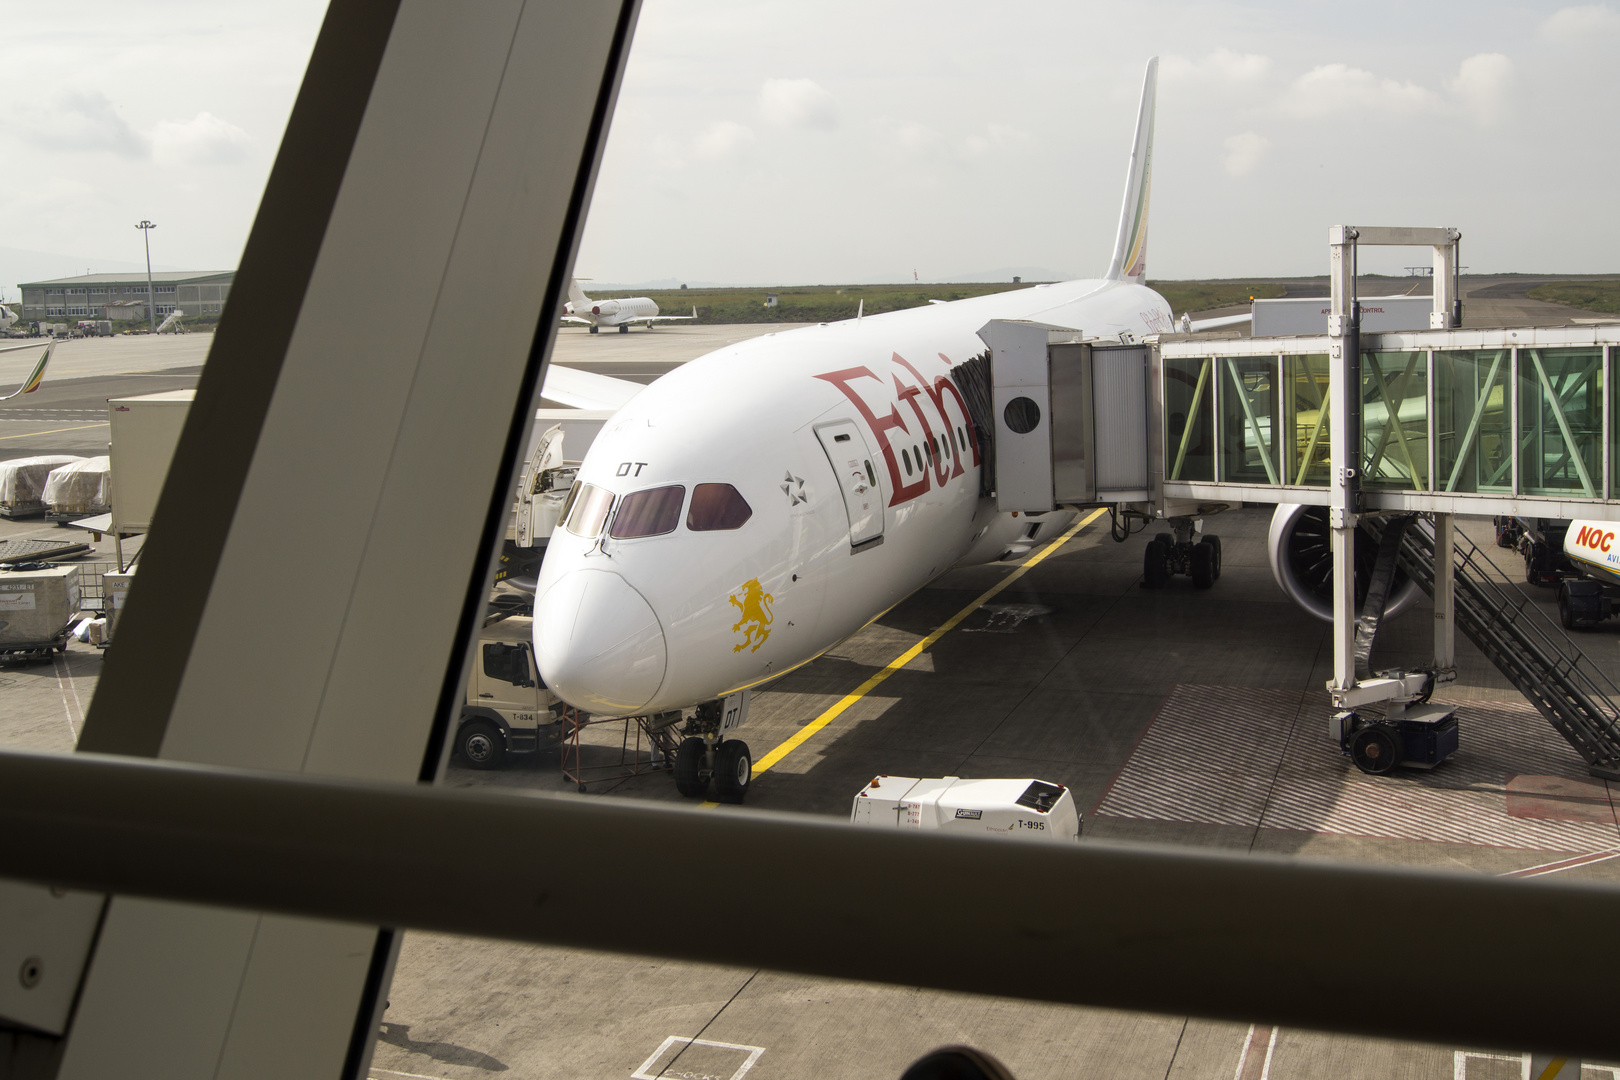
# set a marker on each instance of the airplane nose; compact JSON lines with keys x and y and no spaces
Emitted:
{"x":598,"y":643}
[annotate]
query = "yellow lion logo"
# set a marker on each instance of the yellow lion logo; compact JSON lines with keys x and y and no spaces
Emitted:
{"x":755,"y":606}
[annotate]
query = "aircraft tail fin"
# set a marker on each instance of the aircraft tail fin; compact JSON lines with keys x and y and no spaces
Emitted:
{"x":35,"y":377}
{"x":1130,"y":249}
{"x":576,"y":295}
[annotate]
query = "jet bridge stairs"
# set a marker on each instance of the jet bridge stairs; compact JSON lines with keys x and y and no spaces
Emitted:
{"x":1527,"y":647}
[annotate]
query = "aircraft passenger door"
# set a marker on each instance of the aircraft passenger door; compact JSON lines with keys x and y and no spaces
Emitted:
{"x":853,"y":464}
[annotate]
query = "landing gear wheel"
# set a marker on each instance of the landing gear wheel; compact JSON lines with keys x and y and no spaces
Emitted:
{"x":595,"y":328}
{"x":625,"y":329}
{"x":1203,"y":566}
{"x":481,"y":744}
{"x":1156,"y":565}
{"x":689,"y":778}
{"x":1376,"y":749}
{"x":733,"y":770}
{"x":1214,"y":544}
{"x":1167,"y":539}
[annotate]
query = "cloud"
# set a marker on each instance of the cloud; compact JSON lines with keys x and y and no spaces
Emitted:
{"x":1244,"y":151}
{"x":1339,"y":88}
{"x":85,"y":120}
{"x":800,"y":103}
{"x":205,"y":139}
{"x":721,"y":139}
{"x":1481,"y":85}
{"x":1574,"y":25}
{"x":1222,"y":65}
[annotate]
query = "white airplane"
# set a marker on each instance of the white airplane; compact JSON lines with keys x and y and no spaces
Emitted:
{"x":623,"y":313}
{"x":748,"y":511}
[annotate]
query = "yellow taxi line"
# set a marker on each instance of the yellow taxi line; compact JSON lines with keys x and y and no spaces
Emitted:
{"x":53,"y":431}
{"x":834,"y":712}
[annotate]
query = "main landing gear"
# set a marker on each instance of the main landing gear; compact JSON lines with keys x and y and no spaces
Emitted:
{"x":1182,"y":552}
{"x":595,"y":328}
{"x":708,"y":755}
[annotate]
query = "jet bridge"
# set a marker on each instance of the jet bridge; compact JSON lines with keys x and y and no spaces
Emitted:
{"x":1360,"y":432}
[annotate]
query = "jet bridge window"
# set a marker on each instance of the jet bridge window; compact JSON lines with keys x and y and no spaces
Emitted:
{"x":717,"y":507}
{"x":652,"y":512}
{"x":587,"y":509}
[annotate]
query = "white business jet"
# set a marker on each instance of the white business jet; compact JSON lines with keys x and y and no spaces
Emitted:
{"x":623,"y":313}
{"x":751,"y":509}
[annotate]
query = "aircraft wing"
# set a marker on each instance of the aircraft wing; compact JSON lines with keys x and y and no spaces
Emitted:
{"x":1198,"y":326}
{"x":35,"y":377}
{"x":586,"y":389}
{"x":29,"y":345}
{"x":663,"y":318}
{"x":576,"y":320}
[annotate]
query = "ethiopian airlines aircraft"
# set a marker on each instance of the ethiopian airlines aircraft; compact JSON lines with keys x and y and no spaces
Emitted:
{"x":584,"y":311}
{"x":756,"y":506}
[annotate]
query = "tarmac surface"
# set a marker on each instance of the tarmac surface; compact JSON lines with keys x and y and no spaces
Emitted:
{"x":1175,"y":716}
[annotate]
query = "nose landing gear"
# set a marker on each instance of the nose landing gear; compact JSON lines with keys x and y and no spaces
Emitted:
{"x":708,"y":753}
{"x":1184,"y":551}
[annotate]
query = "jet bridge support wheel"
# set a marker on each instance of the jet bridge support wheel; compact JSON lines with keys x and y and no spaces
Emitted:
{"x":1377,"y":749}
{"x":733,"y":770}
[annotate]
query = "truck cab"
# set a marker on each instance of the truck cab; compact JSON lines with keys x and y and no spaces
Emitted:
{"x":508,"y":709}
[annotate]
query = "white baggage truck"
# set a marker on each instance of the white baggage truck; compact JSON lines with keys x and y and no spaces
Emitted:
{"x":1026,"y":809}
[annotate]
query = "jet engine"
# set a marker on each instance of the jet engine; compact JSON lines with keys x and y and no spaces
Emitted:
{"x":1301,"y":549}
{"x":605,"y":307}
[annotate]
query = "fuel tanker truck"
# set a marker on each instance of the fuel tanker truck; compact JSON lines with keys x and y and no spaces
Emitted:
{"x":1594,"y":549}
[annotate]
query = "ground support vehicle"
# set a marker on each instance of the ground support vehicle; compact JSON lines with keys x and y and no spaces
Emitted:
{"x":1025,"y":809}
{"x":1184,"y":551}
{"x":508,"y":709}
{"x":1541,"y":542}
{"x":1592,"y":549}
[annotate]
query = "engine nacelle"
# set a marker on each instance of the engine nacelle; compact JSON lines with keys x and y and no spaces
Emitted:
{"x":1301,"y":550}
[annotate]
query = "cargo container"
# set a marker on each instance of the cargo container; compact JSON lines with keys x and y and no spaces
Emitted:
{"x":144,"y":432}
{"x":38,"y":605}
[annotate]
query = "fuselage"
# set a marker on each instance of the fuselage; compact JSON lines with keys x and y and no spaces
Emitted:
{"x":824,"y":474}
{"x":613,"y":312}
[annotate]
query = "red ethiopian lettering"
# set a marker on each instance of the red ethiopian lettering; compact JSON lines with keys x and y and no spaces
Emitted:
{"x":903,"y":492}
{"x":951,"y":468}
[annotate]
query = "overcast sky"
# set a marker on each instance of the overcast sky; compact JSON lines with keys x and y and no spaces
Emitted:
{"x":782,"y":142}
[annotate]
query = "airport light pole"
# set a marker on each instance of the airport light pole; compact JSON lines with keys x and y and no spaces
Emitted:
{"x":146,"y":228}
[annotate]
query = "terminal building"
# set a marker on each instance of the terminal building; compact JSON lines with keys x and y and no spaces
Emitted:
{"x":124,"y":296}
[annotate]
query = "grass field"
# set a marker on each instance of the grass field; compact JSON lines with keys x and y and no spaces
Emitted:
{"x":830,"y":303}
{"x":1599,"y":296}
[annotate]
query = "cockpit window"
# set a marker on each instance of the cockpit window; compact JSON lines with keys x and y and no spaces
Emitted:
{"x":648,"y":513}
{"x":716,"y":507}
{"x":588,"y":507}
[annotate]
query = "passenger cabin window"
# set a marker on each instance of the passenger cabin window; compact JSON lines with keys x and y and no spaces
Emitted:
{"x":508,"y":663}
{"x":905,"y":455}
{"x":961,"y":440}
{"x":653,"y":512}
{"x":871,"y":477}
{"x":717,"y":507}
{"x":587,"y":509}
